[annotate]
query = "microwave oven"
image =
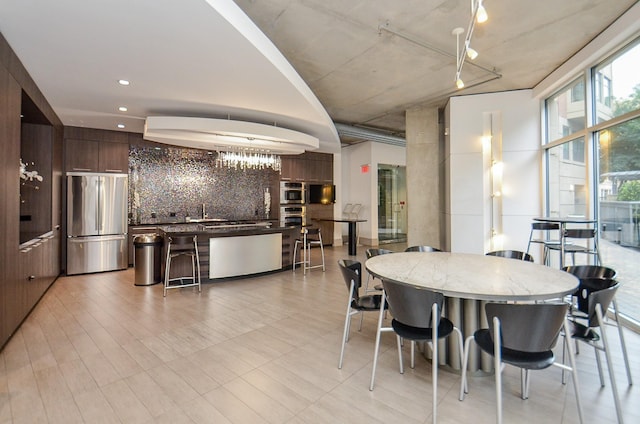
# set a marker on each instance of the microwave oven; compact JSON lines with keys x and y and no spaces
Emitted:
{"x":292,"y":193}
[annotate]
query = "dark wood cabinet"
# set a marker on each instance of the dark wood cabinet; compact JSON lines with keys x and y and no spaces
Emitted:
{"x":286,"y":173}
{"x":81,"y":156}
{"x":96,"y":156}
{"x":308,"y":167}
{"x":325,"y":171}
{"x":312,"y":168}
{"x":10,"y":297}
{"x":36,"y":271}
{"x":113,"y":157}
{"x":317,"y":211}
{"x":27,"y":269}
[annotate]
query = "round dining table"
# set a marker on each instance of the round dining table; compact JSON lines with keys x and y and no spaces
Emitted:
{"x":472,"y":276}
{"x":470,"y":280}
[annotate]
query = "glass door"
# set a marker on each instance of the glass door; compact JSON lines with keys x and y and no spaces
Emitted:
{"x":392,"y":208}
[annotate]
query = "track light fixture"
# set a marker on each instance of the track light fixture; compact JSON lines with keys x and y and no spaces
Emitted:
{"x":478,"y":14}
{"x":471,"y":53}
{"x":481,"y":13}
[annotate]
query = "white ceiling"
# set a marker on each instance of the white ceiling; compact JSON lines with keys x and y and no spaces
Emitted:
{"x":366,"y":61}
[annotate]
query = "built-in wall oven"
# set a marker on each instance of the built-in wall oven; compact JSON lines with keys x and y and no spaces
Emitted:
{"x":292,"y":215}
{"x":292,"y":193}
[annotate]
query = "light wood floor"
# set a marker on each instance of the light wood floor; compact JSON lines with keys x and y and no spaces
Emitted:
{"x":260,"y":350}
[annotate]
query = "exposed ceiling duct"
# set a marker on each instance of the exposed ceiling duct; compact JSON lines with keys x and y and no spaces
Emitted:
{"x":365,"y":134}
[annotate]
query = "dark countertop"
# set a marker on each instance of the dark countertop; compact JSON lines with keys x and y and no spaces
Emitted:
{"x":232,"y":228}
{"x":209,"y":222}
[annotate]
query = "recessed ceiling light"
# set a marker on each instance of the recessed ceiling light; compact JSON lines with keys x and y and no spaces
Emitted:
{"x":120,"y":125}
{"x":123,"y":82}
{"x":123,"y":109}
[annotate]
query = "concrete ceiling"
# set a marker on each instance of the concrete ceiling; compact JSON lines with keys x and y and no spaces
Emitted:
{"x":366,"y":61}
{"x":370,"y":60}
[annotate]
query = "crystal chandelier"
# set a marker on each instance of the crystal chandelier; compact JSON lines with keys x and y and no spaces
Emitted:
{"x":243,"y":159}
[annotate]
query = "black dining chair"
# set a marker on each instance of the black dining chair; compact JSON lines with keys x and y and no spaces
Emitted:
{"x":594,"y":295}
{"x":526,"y":336}
{"x":422,"y":249}
{"x":356,"y":304}
{"x":590,"y":271}
{"x":417,"y":316}
{"x":370,"y":254}
{"x":512,"y":254}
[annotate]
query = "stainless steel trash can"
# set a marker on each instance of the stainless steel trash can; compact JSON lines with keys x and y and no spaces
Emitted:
{"x":146,"y":260}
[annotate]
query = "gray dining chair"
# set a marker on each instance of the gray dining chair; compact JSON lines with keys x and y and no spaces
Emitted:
{"x":522,"y":335}
{"x":417,"y":316}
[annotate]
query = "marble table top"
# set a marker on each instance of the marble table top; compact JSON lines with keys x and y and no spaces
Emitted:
{"x":472,"y":276}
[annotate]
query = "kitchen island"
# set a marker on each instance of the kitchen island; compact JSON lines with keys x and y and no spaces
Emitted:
{"x":229,"y":249}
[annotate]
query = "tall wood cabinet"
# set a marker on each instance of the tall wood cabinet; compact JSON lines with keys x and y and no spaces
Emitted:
{"x":26,"y":269}
{"x":312,"y":168}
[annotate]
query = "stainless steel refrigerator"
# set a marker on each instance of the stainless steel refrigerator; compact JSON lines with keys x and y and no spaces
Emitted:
{"x":96,"y":222}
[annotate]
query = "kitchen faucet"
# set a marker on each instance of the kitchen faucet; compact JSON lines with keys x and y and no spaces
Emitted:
{"x":204,"y":212}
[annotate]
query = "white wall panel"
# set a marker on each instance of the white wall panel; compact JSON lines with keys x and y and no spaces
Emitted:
{"x":514,"y":117}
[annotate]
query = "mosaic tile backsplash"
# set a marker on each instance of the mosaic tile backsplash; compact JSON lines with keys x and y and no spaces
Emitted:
{"x":169,"y":184}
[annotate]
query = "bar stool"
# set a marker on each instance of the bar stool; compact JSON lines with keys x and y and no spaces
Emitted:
{"x":588,"y":235}
{"x":310,"y":237}
{"x":182,"y":246}
{"x":544,"y":240}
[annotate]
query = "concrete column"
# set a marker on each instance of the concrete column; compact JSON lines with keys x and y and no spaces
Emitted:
{"x":425,"y":185}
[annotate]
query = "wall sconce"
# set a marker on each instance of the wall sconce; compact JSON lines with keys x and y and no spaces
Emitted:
{"x":494,"y":168}
{"x":479,"y":15}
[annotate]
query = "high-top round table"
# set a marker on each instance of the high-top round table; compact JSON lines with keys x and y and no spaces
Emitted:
{"x":353,"y":242}
{"x":467,"y":280}
{"x":563,"y":221}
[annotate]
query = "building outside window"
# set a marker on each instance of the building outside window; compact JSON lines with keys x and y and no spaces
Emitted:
{"x":565,"y":111}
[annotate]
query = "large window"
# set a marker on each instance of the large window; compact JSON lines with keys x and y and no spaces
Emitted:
{"x":566,"y":111}
{"x":594,"y":170}
{"x":617,"y":84}
{"x":619,"y":184}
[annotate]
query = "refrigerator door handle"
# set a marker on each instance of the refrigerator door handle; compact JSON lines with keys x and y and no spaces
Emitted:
{"x":100,"y":204}
{"x":85,"y":239}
